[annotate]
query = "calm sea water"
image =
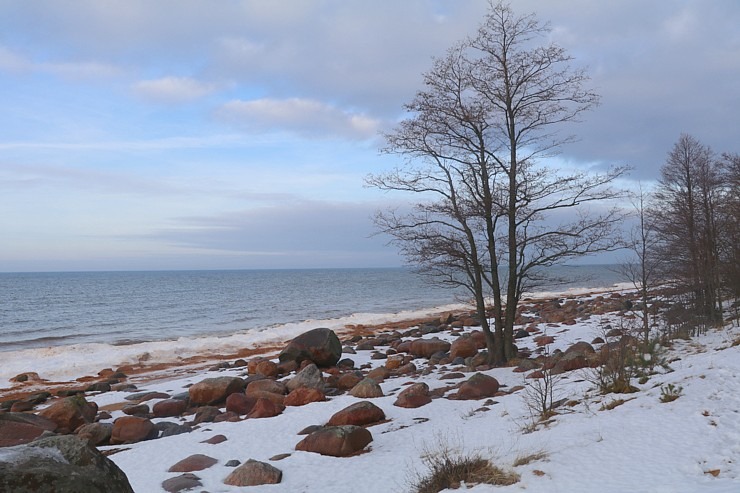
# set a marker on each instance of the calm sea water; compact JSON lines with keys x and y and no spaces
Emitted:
{"x":53,"y":309}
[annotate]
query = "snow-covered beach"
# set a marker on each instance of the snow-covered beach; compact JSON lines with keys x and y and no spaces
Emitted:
{"x":593,"y":443}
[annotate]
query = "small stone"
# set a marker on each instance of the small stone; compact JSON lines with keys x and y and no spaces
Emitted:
{"x":253,"y":473}
{"x":183,"y":482}
{"x":196,"y":462}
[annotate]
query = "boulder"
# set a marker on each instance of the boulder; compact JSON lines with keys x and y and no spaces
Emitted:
{"x":266,"y":385}
{"x":304,"y":395}
{"x":183,"y":482}
{"x":348,"y":380}
{"x":60,"y":464}
{"x":206,"y":414}
{"x":240,"y":403}
{"x":95,"y":433}
{"x":266,"y":368}
{"x":413,"y":396}
{"x":310,"y":376}
{"x":358,"y":414}
{"x":253,"y":473}
{"x":320,"y":346}
{"x":169,"y":407}
{"x":215,"y":390}
{"x":265,"y":408}
{"x":479,"y":386}
{"x":195,"y":462}
{"x":336,"y":441}
{"x":70,"y":413}
{"x":132,"y":429}
{"x":425,"y":348}
{"x":20,"y":428}
{"x":463,"y":347}
{"x":366,"y":389}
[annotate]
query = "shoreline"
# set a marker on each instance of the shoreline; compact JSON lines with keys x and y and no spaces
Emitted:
{"x":155,"y":366}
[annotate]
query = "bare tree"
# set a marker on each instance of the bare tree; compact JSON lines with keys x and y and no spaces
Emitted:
{"x":491,"y":215}
{"x":644,"y":269}
{"x":685,"y":217}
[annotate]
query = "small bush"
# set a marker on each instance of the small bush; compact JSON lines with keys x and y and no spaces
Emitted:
{"x":523,"y":460}
{"x":449,"y":468}
{"x":670,"y":392}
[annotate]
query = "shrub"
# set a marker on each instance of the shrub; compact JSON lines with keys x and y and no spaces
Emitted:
{"x":670,"y":392}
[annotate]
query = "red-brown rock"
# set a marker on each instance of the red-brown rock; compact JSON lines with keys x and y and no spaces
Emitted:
{"x":196,"y":462}
{"x":266,"y":385}
{"x":169,"y":407}
{"x":132,"y":429}
{"x":415,"y":395}
{"x":265,"y":408}
{"x":304,"y":395}
{"x":479,"y":386}
{"x":240,"y":403}
{"x":336,"y":441}
{"x":425,"y":348}
{"x":20,"y":428}
{"x":70,"y":413}
{"x":266,"y":368}
{"x":347,"y":381}
{"x":215,"y":390}
{"x":277,"y":399}
{"x":358,"y":414}
{"x":463,"y":347}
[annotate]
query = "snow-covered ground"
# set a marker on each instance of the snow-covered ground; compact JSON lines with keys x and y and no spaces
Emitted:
{"x":689,"y":445}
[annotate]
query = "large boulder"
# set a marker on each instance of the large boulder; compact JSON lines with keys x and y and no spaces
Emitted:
{"x":20,"y":428}
{"x":320,"y":346}
{"x":169,"y":407}
{"x":479,"y":386}
{"x":215,"y":390}
{"x":413,"y":396}
{"x":425,"y":348}
{"x":463,"y":347}
{"x":336,"y":441}
{"x":304,"y":395}
{"x":253,"y":473}
{"x":132,"y":429}
{"x":366,"y":389}
{"x":310,"y":377}
{"x":358,"y":414}
{"x":70,"y":413}
{"x":60,"y":464}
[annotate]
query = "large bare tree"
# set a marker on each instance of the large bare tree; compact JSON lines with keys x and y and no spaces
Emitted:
{"x":490,"y":213}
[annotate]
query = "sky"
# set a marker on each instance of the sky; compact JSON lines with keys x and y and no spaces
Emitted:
{"x":182,"y":134}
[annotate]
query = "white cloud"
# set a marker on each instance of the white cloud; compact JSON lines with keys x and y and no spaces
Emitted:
{"x":11,"y":61}
{"x":173,"y":89}
{"x":305,"y":117}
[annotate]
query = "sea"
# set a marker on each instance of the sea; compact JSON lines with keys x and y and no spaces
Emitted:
{"x":41,"y":310}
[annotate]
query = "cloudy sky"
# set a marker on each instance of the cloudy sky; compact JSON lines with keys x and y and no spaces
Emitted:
{"x":237,"y":134}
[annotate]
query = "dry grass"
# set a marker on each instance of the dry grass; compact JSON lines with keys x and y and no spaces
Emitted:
{"x":523,"y":460}
{"x":608,"y":406}
{"x":449,"y":469}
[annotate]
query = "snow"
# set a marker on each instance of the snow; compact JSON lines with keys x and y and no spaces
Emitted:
{"x":643,"y":445}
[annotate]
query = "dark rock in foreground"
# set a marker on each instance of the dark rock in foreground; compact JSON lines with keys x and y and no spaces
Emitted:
{"x":60,"y":464}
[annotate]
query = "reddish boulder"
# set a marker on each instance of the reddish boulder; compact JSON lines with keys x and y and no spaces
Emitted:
{"x":266,"y":385}
{"x":20,"y":428}
{"x":415,"y":395}
{"x":479,"y":386}
{"x":266,"y":368}
{"x":215,"y":390}
{"x":240,"y":403}
{"x":183,"y":482}
{"x":304,"y":395}
{"x":254,"y":473}
{"x":277,"y":399}
{"x":425,"y":348}
{"x":543,"y":340}
{"x":265,"y":408}
{"x":169,"y":407}
{"x":479,"y":339}
{"x":336,"y":441}
{"x":347,"y":381}
{"x":132,"y":429}
{"x":379,"y":374}
{"x":358,"y":414}
{"x":70,"y":413}
{"x":366,"y":389}
{"x":463,"y":347}
{"x":196,"y":462}
{"x":320,"y":346}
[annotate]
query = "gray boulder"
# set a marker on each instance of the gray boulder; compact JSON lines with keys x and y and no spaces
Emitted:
{"x":59,"y":464}
{"x":320,"y":346}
